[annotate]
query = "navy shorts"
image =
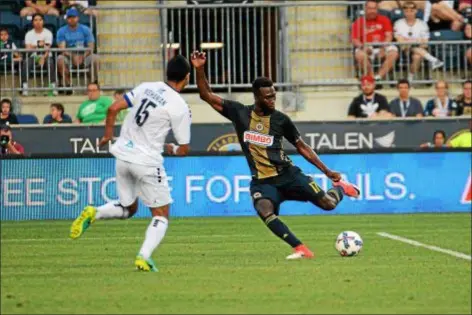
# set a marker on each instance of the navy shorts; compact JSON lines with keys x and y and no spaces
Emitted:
{"x":291,"y":185}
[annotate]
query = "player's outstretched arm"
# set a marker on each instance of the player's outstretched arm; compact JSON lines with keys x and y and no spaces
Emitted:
{"x":113,"y":111}
{"x":310,"y":155}
{"x":198,"y":61}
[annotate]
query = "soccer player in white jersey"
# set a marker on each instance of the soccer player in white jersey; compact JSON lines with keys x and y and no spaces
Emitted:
{"x":156,"y":107}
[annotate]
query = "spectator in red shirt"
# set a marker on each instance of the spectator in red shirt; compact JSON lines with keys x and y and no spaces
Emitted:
{"x":365,"y":33}
{"x":7,"y":145}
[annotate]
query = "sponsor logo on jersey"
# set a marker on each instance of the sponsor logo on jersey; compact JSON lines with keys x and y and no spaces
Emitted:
{"x":258,"y":138}
{"x":467,"y":194}
{"x":225,"y":143}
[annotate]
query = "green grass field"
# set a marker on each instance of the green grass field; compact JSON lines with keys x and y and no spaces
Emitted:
{"x":234,"y":265}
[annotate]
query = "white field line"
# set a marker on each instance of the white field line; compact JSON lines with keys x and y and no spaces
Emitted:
{"x":430,"y":247}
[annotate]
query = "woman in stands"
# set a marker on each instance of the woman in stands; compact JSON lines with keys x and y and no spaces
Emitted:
{"x":6,"y":116}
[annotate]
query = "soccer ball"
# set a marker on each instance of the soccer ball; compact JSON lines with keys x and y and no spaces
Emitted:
{"x":348,"y":243}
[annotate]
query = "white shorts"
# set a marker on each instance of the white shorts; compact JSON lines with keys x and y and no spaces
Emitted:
{"x":147,"y":182}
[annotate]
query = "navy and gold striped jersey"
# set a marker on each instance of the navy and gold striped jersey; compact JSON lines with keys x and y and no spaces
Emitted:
{"x":261,"y":138}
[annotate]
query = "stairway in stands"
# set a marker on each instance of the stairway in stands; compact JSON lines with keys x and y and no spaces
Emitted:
{"x":318,"y":38}
{"x":128,"y":43}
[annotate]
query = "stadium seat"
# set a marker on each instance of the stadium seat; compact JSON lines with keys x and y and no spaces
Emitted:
{"x":13,"y":6}
{"x":10,"y":18}
{"x":27,"y":119}
{"x":385,"y":13}
{"x":444,"y":35}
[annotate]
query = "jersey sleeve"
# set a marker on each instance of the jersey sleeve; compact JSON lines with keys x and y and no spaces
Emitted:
{"x":387,"y":24}
{"x":133,"y":96}
{"x":180,"y":121}
{"x":29,"y":39}
{"x":48,"y":37}
{"x":291,"y":132}
{"x":231,"y":109}
{"x":355,"y":30}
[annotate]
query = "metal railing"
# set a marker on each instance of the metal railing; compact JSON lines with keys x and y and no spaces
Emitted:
{"x":22,"y":70}
{"x":304,"y":43}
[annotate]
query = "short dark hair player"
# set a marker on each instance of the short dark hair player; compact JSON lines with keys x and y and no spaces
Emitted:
{"x":261,"y":129}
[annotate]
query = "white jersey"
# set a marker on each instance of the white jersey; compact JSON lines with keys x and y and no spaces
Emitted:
{"x":155,"y":109}
{"x":419,"y":30}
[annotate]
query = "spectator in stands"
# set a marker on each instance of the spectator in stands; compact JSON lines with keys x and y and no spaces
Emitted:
{"x":7,"y":43}
{"x":464,"y":101}
{"x":57,"y":115}
{"x":41,"y":7}
{"x":75,"y":35}
{"x":94,"y":110}
{"x":463,"y":139}
{"x":439,"y":140}
{"x":404,"y":105}
{"x":441,"y":105}
{"x":7,"y":145}
{"x":6,"y":115}
{"x":443,"y":16}
{"x":38,"y":38}
{"x":368,"y":31}
{"x":369,"y":104}
{"x":415,"y":32}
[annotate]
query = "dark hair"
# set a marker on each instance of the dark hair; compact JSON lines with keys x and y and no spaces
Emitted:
{"x":373,"y":1}
{"x":439,"y":132}
{"x":403,"y":81}
{"x":260,"y":83}
{"x":177,"y":68}
{"x":119,"y":91}
{"x":2,"y":29}
{"x":59,"y":107}
{"x":6,"y":100}
{"x":35,"y":15}
{"x":94,"y":83}
{"x":466,"y":82}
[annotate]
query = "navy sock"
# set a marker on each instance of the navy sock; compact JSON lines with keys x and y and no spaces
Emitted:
{"x":281,"y":230}
{"x":337,"y":193}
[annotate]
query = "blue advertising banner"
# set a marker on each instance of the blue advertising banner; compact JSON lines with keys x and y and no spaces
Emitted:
{"x":219,"y":185}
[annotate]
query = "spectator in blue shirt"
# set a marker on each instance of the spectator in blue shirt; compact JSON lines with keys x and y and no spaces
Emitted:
{"x":76,"y":35}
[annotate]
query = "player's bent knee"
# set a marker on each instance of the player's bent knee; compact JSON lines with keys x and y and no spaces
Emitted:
{"x":264,"y":207}
{"x":327,"y":203}
{"x":160,"y":211}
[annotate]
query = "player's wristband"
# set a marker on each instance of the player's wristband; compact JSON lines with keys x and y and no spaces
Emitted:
{"x":174,"y":148}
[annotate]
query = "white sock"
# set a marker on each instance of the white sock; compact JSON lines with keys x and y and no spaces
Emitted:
{"x":430,"y":57}
{"x":112,"y":210}
{"x":154,"y":235}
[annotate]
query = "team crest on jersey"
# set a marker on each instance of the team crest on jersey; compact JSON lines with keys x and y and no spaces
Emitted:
{"x":258,"y":138}
{"x":259,"y":127}
{"x":225,"y":143}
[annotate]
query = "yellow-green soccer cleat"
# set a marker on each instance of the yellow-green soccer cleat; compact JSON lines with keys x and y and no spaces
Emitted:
{"x":82,"y":222}
{"x":145,"y":265}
